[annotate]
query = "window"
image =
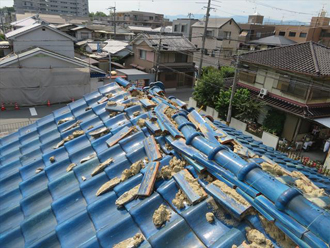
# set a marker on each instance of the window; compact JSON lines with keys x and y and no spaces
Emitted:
{"x":143,"y":54}
{"x":209,"y":33}
{"x":170,"y":76}
{"x":176,"y":28}
{"x":151,"y":18}
{"x":183,"y":28}
{"x":281,"y":33}
{"x":181,"y":58}
{"x":292,"y":86}
{"x":227,"y":35}
{"x":292,"y":34}
{"x":303,"y":35}
{"x":258,"y":35}
{"x":84,"y":35}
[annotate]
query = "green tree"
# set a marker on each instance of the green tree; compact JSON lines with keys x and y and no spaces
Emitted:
{"x":274,"y":122}
{"x":97,"y":14}
{"x":208,"y":86}
{"x":244,"y":107}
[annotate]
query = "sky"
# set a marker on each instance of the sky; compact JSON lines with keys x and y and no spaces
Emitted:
{"x":271,"y":9}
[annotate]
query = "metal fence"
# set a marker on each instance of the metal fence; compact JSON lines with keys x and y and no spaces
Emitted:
{"x":8,"y":128}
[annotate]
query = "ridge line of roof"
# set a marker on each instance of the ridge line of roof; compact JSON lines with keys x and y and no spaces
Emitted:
{"x":317,"y":69}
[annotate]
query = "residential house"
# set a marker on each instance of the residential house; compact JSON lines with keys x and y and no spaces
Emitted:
{"x":102,"y":32}
{"x":140,"y":18}
{"x":269,"y":42}
{"x":82,"y":33}
{"x":294,"y":79}
{"x":43,"y":67}
{"x":221,"y":40}
{"x":175,"y":60}
{"x":43,"y":36}
{"x":317,"y":31}
{"x":183,"y":26}
{"x":5,"y":48}
{"x":67,"y":28}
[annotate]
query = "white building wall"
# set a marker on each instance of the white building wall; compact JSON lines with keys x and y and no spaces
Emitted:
{"x":47,"y":39}
{"x":44,"y":61}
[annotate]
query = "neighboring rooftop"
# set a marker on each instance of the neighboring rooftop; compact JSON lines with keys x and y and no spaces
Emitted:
{"x":130,"y":72}
{"x":213,"y":22}
{"x":27,"y":29}
{"x":170,"y":42}
{"x":306,"y":58}
{"x":273,"y":40}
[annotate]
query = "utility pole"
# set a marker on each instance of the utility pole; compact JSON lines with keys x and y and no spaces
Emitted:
{"x":114,"y":21}
{"x":204,"y":38}
{"x":158,"y":56}
{"x":232,"y":92}
{"x":110,"y":64}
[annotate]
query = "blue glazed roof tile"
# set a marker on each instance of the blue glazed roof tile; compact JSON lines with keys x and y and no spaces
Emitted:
{"x":43,"y":205}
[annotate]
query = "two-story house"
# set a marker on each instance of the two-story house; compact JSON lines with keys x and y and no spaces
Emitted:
{"x":294,"y":79}
{"x":169,"y":55}
{"x":221,"y":40}
{"x":43,"y":67}
{"x":183,"y":26}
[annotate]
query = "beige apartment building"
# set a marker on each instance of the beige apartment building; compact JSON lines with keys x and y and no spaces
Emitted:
{"x":317,"y":31}
{"x":140,"y":18}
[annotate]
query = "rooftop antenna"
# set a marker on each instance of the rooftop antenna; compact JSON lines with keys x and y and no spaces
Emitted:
{"x":139,"y":6}
{"x":190,"y":15}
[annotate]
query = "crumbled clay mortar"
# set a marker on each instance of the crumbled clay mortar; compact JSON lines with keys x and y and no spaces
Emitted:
{"x":109,"y":95}
{"x":39,"y":169}
{"x":132,"y":171}
{"x":141,"y":122}
{"x":111,"y":103}
{"x":136,"y":113}
{"x":273,"y":169}
{"x":220,"y":213}
{"x":161,"y":216}
{"x":112,"y":114}
{"x":64,"y":120}
{"x":102,"y":166}
{"x":83,"y":178}
{"x":275,"y":233}
{"x":256,"y":239}
{"x":75,"y":134}
{"x":52,"y":159}
{"x":89,"y":157}
{"x":90,"y":127}
{"x":209,"y":217}
{"x":108,"y":186}
{"x":70,"y":167}
{"x":128,"y":196}
{"x":231,"y":192}
{"x":180,"y":200}
{"x":193,"y":182}
{"x":306,"y":185}
{"x":175,"y":165}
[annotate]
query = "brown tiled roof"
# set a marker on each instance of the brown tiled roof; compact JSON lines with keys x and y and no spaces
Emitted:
{"x":307,"y":58}
{"x":306,"y":111}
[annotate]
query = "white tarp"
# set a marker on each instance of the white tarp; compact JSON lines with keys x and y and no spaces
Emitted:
{"x":324,"y":121}
{"x":30,"y":86}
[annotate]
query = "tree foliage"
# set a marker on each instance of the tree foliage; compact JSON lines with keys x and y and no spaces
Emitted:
{"x":208,"y":86}
{"x":274,"y":122}
{"x":97,"y":14}
{"x":244,"y":107}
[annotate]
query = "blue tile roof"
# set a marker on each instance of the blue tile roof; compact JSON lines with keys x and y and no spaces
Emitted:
{"x":56,"y":208}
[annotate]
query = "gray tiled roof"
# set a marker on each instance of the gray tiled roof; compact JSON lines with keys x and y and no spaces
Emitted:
{"x":306,"y":58}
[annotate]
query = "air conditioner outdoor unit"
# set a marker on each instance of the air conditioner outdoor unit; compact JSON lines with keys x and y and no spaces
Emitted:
{"x":262,"y":93}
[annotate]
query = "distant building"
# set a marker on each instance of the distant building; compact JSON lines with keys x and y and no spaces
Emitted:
{"x":293,"y":79}
{"x":82,"y":33}
{"x":222,"y":33}
{"x":43,"y":36}
{"x":26,"y":19}
{"x":140,"y":18}
{"x":55,"y":7}
{"x":176,"y":67}
{"x":43,"y":67}
{"x":183,"y":26}
{"x":317,"y":31}
{"x":254,"y":30}
{"x":256,"y":18}
{"x":269,"y":42}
